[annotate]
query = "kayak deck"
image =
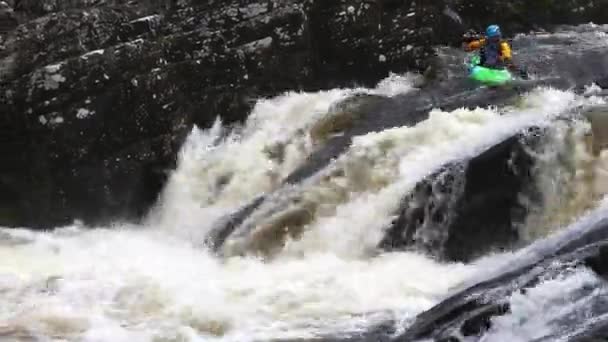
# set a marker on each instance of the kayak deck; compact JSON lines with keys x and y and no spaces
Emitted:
{"x":486,"y":75}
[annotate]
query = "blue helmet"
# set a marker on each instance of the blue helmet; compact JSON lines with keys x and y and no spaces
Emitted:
{"x":493,"y":31}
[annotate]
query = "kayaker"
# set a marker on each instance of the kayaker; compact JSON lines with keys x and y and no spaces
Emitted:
{"x":494,"y":51}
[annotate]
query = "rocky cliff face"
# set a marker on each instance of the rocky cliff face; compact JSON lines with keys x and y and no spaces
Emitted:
{"x":98,"y":95}
{"x":521,"y":15}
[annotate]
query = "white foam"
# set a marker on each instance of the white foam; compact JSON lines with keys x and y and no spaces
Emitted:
{"x":396,"y":84}
{"x":139,"y":285}
{"x":542,"y":309}
{"x":399,"y":158}
{"x":149,"y":282}
{"x":220,"y":171}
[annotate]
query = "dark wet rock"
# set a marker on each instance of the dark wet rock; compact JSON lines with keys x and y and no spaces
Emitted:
{"x":480,"y":319}
{"x":471,"y":207}
{"x":7,"y":18}
{"x":343,"y":116}
{"x":599,"y":262}
{"x":521,"y":15}
{"x":230,"y":223}
{"x":567,"y":255}
{"x":98,"y":99}
{"x":594,"y":332}
{"x":378,"y":333}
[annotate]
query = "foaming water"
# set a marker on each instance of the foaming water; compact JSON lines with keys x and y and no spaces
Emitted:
{"x":395,"y":84}
{"x":394,"y":160}
{"x":543,"y":310}
{"x":572,"y":177}
{"x":356,"y":197}
{"x":154,"y":283}
{"x":566,"y":172}
{"x":220,"y":170}
{"x":133,"y":285}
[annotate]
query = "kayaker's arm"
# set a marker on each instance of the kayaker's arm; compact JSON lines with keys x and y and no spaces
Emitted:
{"x":507,"y":59}
{"x":505,"y":55}
{"x":473,"y":45}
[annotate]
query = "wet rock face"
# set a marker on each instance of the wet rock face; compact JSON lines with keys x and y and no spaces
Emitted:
{"x":521,"y":15}
{"x":99,"y":99}
{"x":371,"y":38}
{"x":98,"y":95}
{"x":7,"y":18}
{"x":471,"y":207}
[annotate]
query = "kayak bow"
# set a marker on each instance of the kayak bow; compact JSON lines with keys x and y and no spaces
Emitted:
{"x":487,"y":76}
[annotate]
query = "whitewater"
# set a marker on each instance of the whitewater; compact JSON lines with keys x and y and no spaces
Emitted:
{"x":158,"y":281}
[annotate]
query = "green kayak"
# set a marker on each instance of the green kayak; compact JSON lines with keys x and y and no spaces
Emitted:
{"x":487,"y":76}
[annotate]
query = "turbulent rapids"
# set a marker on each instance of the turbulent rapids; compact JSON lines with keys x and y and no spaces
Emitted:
{"x":415,"y":210}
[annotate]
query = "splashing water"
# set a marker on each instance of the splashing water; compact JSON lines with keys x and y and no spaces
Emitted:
{"x":220,"y":171}
{"x":381,"y":167}
{"x":538,"y":312}
{"x":155,"y":283}
{"x":147,"y":285}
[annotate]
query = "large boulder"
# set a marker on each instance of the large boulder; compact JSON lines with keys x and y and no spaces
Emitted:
{"x":471,"y":207}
